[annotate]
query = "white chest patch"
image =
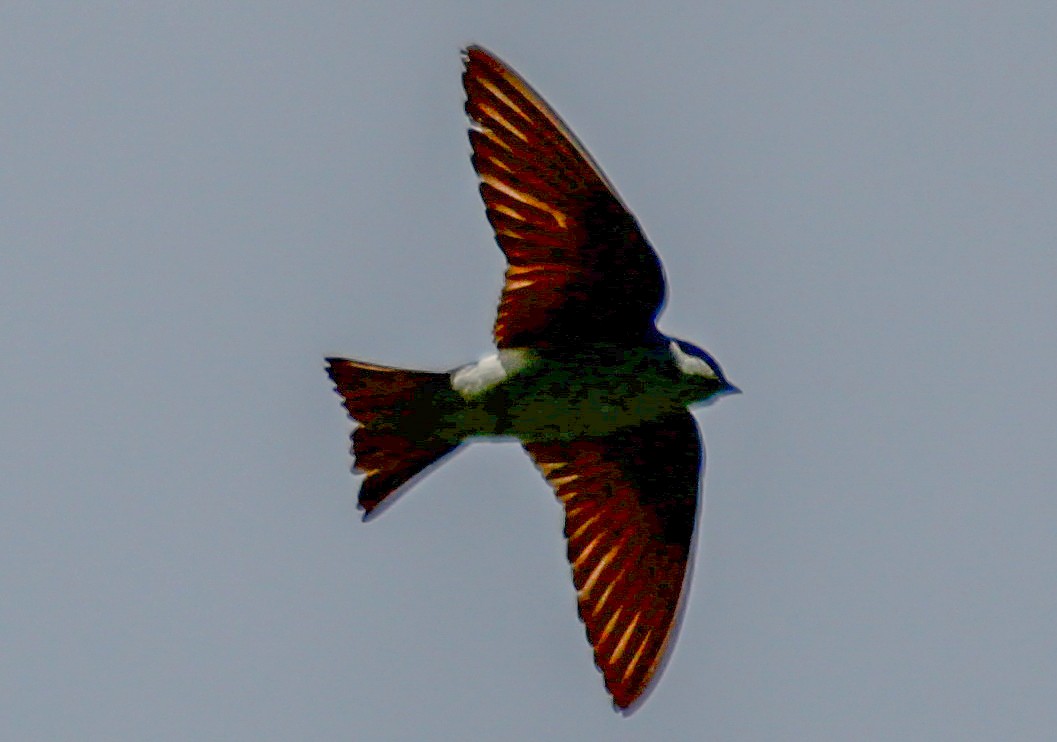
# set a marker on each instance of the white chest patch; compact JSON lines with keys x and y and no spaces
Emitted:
{"x":479,"y":377}
{"x":689,"y":364}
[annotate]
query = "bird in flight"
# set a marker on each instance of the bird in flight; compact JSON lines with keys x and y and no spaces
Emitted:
{"x":596,"y":394}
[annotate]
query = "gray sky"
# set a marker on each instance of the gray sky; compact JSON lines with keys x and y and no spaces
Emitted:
{"x":855,"y":204}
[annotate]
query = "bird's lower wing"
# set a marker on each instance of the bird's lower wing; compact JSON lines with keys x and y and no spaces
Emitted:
{"x":630,"y":503}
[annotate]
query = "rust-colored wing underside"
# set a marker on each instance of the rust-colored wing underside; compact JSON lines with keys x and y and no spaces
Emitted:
{"x":630,"y":505}
{"x":578,"y":267}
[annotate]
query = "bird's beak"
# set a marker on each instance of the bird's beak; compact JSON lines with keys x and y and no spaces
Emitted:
{"x":731,"y":389}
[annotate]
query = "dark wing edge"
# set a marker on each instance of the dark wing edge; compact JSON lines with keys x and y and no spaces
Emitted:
{"x":630,"y":504}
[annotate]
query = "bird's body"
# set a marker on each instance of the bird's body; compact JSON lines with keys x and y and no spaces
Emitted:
{"x":596,"y":394}
{"x":596,"y":391}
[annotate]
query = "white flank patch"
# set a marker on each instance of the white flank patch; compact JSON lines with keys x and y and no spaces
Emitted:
{"x":689,"y":364}
{"x":479,"y":377}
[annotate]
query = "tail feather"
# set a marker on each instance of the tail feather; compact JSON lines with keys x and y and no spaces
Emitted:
{"x":401,"y":434}
{"x":391,"y":461}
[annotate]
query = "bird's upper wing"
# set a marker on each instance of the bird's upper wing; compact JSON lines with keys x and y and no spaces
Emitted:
{"x":630,"y":503}
{"x":578,"y":266}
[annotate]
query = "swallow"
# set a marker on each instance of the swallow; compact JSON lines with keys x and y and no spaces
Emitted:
{"x":598,"y":397}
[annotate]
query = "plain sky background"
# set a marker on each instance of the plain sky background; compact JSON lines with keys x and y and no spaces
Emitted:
{"x":856,"y":204}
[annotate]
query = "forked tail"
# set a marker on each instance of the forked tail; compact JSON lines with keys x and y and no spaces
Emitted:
{"x":401,"y":424}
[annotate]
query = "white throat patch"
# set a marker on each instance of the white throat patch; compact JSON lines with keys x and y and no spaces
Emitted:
{"x":691,"y":365}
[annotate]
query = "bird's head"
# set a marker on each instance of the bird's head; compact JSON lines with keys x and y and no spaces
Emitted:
{"x":700,"y":371}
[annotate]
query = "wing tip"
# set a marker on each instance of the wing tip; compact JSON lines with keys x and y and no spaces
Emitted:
{"x":476,"y":54}
{"x":628,"y":697}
